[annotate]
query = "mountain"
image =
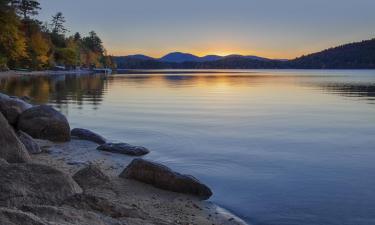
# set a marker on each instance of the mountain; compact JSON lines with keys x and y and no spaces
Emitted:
{"x":349,"y":56}
{"x":140,"y":56}
{"x":210,"y":58}
{"x":358,"y":55}
{"x":179,"y":57}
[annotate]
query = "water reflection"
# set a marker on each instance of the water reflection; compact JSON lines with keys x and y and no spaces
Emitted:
{"x":302,"y":141}
{"x":366,"y":91}
{"x":90,"y":89}
{"x":58,"y":90}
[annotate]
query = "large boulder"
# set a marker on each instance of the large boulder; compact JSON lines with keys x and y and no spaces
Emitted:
{"x":30,"y":144}
{"x":34,"y":184}
{"x":88,"y":135}
{"x":44,"y":122}
{"x":123,"y":148}
{"x":12,"y":107}
{"x":163,"y":177}
{"x":90,"y":176}
{"x":11,"y":148}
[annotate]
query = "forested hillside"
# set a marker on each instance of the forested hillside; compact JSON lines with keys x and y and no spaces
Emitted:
{"x":349,"y":56}
{"x":27,"y":43}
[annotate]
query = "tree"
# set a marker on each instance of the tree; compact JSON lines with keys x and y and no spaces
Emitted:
{"x":12,"y":40}
{"x":94,"y":43}
{"x":26,"y":8}
{"x":39,"y":51}
{"x":57,"y":24}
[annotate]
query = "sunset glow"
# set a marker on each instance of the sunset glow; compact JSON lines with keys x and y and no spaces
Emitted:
{"x":220,"y":27}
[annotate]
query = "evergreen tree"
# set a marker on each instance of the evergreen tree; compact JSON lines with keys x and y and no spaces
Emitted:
{"x":57,"y":24}
{"x":26,"y":8}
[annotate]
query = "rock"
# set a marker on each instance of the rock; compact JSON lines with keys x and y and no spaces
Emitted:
{"x":11,"y":148}
{"x":63,"y":215}
{"x":34,"y":184}
{"x":17,"y":217}
{"x":90,"y":176}
{"x":3,"y":162}
{"x":103,"y":206}
{"x":123,"y":148}
{"x":88,"y":135}
{"x":163,"y":177}
{"x":12,"y":107}
{"x":44,"y":122}
{"x":31,"y":146}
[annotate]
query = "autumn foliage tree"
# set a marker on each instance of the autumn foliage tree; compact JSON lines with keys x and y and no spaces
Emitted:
{"x":27,"y":43}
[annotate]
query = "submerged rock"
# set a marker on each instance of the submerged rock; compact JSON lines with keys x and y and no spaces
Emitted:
{"x":88,"y":135}
{"x":123,"y":148}
{"x":44,"y":122}
{"x":12,"y":107}
{"x":30,"y":144}
{"x":34,"y":184}
{"x":163,"y":177}
{"x":90,"y":176}
{"x":11,"y":148}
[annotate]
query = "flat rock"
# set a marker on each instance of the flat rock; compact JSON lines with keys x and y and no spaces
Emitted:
{"x":44,"y":122}
{"x":63,"y":215}
{"x":12,"y":107}
{"x":34,"y":184}
{"x":90,"y":176}
{"x":103,"y":206}
{"x":17,"y":217}
{"x":123,"y":148}
{"x":163,"y":177}
{"x":88,"y":135}
{"x":11,"y":148}
{"x":30,"y":144}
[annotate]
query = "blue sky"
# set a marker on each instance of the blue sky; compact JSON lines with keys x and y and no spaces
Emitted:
{"x":269,"y":28}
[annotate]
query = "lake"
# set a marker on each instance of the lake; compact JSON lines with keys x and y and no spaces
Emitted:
{"x":276,"y":146}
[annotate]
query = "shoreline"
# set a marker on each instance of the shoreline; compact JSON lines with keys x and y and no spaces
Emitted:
{"x":160,"y":204}
{"x":42,"y":72}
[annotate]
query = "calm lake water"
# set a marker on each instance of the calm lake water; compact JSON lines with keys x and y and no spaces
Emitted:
{"x":277,"y":147}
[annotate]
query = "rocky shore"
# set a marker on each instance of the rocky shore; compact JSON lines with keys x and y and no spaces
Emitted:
{"x":50,"y":174}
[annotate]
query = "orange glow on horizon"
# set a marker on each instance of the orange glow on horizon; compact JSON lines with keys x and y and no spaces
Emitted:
{"x":117,"y":52}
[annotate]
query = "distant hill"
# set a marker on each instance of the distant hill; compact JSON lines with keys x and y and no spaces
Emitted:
{"x":141,"y":57}
{"x":359,"y":55}
{"x":179,"y":57}
{"x":349,"y":56}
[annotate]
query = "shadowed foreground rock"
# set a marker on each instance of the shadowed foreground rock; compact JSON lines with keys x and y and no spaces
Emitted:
{"x":12,"y":107}
{"x":103,"y":206}
{"x":11,"y":148}
{"x":17,"y":217}
{"x":44,"y":122}
{"x":123,"y":148}
{"x":90,"y":176}
{"x":34,"y":184}
{"x":163,"y":177}
{"x":88,"y":135}
{"x":30,"y":144}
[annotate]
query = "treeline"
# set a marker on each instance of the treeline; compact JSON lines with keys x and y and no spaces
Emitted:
{"x":359,"y":55}
{"x":27,"y":43}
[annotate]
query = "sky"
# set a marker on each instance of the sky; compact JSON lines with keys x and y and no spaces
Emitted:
{"x":269,"y":28}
